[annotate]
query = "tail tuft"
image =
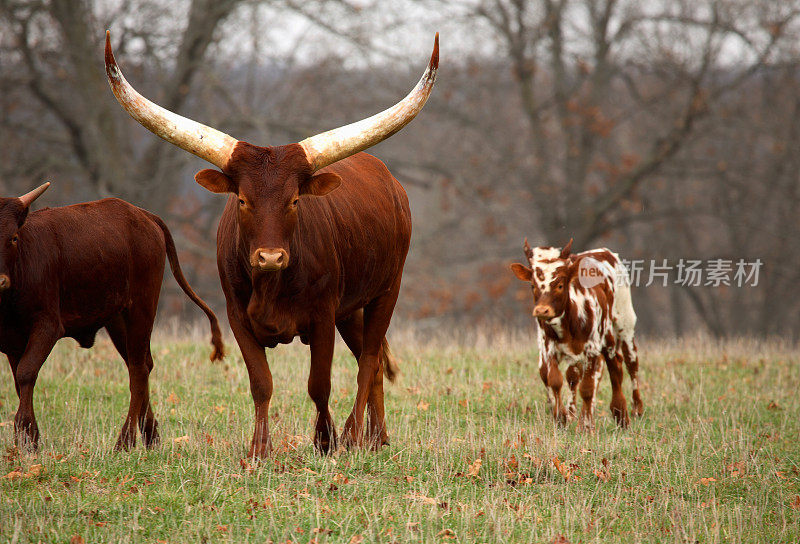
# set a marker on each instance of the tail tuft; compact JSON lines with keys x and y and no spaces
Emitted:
{"x":216,"y":341}
{"x":391,"y":367}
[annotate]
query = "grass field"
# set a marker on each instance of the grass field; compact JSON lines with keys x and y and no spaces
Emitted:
{"x":474,"y":455}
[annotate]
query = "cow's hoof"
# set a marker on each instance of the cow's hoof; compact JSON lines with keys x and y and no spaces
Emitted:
{"x":260,"y":450}
{"x":125,"y":443}
{"x":638,"y":407}
{"x":325,"y":445}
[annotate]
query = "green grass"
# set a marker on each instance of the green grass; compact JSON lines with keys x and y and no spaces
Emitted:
{"x":715,"y":458}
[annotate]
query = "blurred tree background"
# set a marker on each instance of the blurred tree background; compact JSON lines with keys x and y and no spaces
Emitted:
{"x":665,"y":129}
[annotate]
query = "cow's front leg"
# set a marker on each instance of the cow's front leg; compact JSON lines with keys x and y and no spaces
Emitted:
{"x":44,"y":336}
{"x":555,"y":380}
{"x":255,"y":358}
{"x":593,"y":371}
{"x":319,"y":383}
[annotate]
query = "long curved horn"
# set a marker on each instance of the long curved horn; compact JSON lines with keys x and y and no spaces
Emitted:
{"x":205,"y":142}
{"x":329,"y":147}
{"x":28,"y":198}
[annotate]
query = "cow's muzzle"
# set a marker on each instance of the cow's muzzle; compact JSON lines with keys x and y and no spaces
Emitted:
{"x":5,"y":282}
{"x":543,"y":311}
{"x":269,"y":259}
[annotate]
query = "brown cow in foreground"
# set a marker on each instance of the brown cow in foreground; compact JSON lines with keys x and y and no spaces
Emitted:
{"x":306,"y":245}
{"x":582,"y":304}
{"x":71,"y":271}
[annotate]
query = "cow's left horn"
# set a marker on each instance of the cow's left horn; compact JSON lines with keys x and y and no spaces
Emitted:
{"x":28,"y":198}
{"x":205,"y":142}
{"x":329,"y":147}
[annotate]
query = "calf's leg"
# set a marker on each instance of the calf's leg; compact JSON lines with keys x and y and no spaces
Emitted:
{"x":555,"y":380}
{"x":593,"y":371}
{"x":619,"y":408}
{"x":630,"y":355}
{"x":574,"y":374}
{"x":40,"y":343}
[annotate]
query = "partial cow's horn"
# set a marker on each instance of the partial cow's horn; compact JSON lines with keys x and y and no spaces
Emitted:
{"x":329,"y":147}
{"x":28,"y":198}
{"x":566,"y":250}
{"x":528,"y":251}
{"x":205,"y":142}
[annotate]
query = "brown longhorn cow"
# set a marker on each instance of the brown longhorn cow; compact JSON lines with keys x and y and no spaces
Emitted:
{"x":313,"y":238}
{"x":71,"y":271}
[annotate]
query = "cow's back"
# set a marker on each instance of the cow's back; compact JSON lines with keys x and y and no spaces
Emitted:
{"x":617,"y":278}
{"x":99,"y":258}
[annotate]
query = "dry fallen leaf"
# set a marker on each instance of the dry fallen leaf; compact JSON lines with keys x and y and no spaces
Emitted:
{"x":76,"y":539}
{"x":565,"y":471}
{"x":356,"y":539}
{"x":707,"y":481}
{"x":423,"y":406}
{"x":422,"y":498}
{"x":13,"y":475}
{"x":181,"y":439}
{"x":795,"y":504}
{"x":173,"y":398}
{"x":474,"y":468}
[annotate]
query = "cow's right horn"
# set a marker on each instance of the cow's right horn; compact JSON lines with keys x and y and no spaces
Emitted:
{"x":205,"y":142}
{"x":28,"y":198}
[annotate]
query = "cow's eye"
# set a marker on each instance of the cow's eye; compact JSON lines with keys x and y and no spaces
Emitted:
{"x":560,"y":287}
{"x":14,"y":239}
{"x":241,"y":202}
{"x":295,"y":202}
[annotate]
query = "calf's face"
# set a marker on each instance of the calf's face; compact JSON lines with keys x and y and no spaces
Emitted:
{"x":550,"y":275}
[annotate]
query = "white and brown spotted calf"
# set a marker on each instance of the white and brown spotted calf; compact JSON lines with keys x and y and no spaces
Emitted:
{"x":585,"y":315}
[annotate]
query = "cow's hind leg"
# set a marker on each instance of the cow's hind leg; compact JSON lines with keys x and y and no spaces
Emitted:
{"x":148,"y":425}
{"x":352,"y":330}
{"x":41,"y":341}
{"x":377,"y":315}
{"x":319,"y":383}
{"x":138,"y":324}
{"x":619,"y":407}
{"x":630,"y":355}
{"x":574,"y":374}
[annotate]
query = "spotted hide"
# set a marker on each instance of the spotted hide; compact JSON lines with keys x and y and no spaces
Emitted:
{"x":584,"y":312}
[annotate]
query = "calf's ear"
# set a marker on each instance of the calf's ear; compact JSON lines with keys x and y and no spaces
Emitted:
{"x":320,"y":184}
{"x":522,"y":272}
{"x":215,"y":181}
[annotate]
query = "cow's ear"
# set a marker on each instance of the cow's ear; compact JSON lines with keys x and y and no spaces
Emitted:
{"x":320,"y":184}
{"x":215,"y":181}
{"x":522,"y":272}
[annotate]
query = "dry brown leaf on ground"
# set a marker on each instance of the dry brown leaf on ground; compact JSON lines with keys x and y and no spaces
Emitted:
{"x":474,"y":468}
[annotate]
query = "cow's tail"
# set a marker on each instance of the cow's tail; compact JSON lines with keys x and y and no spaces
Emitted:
{"x":175,"y":266}
{"x":390,"y":364}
